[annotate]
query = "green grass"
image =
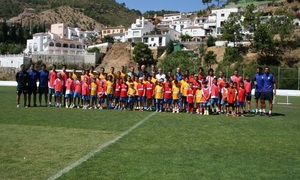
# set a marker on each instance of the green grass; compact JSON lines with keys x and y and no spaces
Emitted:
{"x":167,"y":146}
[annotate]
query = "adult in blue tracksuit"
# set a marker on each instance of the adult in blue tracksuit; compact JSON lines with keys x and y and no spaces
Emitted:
{"x":258,"y":81}
{"x":22,"y":78}
{"x":32,"y":84}
{"x":269,"y":91}
{"x":43,"y":84}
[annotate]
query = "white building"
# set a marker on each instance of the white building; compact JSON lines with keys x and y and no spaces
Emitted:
{"x":138,"y":29}
{"x":220,"y":16}
{"x":162,"y":38}
{"x":181,"y":23}
{"x":168,"y":19}
{"x":52,"y":44}
{"x":198,"y":33}
{"x":118,"y":37}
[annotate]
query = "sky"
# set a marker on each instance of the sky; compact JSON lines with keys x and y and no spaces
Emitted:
{"x":177,"y":5}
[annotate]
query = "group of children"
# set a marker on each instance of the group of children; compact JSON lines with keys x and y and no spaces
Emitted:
{"x":191,"y":94}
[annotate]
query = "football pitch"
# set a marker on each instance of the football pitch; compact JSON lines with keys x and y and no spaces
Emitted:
{"x":50,"y":143}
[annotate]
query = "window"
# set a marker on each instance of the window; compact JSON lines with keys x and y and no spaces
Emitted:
{"x":121,"y":31}
{"x":145,"y":40}
{"x":222,"y":15}
{"x":135,"y":33}
{"x":58,"y":45}
{"x":65,"y":45}
{"x":51,"y":44}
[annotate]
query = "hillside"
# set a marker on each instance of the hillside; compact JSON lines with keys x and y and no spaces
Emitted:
{"x":119,"y":55}
{"x":63,"y":14}
{"x":107,"y":12}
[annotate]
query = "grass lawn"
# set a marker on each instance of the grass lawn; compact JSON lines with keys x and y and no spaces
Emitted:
{"x":36,"y":143}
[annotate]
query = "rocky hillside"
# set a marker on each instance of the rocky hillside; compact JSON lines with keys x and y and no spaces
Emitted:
{"x":119,"y":55}
{"x":107,"y":12}
{"x":65,"y":14}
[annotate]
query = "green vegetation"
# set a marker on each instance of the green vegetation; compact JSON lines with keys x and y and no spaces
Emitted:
{"x":143,"y":55}
{"x":184,"y":60}
{"x":38,"y":142}
{"x":158,"y":13}
{"x":13,"y":38}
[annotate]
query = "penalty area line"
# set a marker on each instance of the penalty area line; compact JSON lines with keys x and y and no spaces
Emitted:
{"x":99,"y":149}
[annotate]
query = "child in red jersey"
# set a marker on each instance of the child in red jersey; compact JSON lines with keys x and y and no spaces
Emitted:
{"x":123,"y":95}
{"x":101,"y":95}
{"x":141,"y":94}
{"x":190,"y":98}
{"x":248,"y":87}
{"x":149,"y":93}
{"x":215,"y":93}
{"x":241,"y":97}
{"x":231,"y":99}
{"x":85,"y":93}
{"x":70,"y":87}
{"x":77,"y":93}
{"x":168,"y":95}
{"x":117,"y":93}
{"x":206,"y":94}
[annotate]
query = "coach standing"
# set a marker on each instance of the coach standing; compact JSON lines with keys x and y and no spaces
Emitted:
{"x":22,"y":78}
{"x":269,"y":91}
{"x":32,"y":87}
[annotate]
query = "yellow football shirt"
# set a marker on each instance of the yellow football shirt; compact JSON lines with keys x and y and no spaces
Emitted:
{"x":158,"y":92}
{"x":175,"y":92}
{"x":131,"y":92}
{"x":199,"y":96}
{"x":109,"y":87}
{"x":184,"y":88}
{"x":93,"y":89}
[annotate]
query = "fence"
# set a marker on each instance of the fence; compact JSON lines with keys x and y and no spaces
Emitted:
{"x":286,"y":78}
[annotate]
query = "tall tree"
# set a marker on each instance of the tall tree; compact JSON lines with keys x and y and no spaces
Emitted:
{"x":210,"y":58}
{"x":232,"y":29}
{"x":142,"y":54}
{"x":206,"y":2}
{"x":263,"y":40}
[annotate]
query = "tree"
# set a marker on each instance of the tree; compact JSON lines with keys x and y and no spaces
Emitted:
{"x":211,"y":41}
{"x":251,"y":20}
{"x":206,"y":2}
{"x":232,"y":29}
{"x":108,"y":39}
{"x":170,"y":46}
{"x":142,"y":54}
{"x":183,"y":59}
{"x":263,"y":40}
{"x":185,"y":37}
{"x":210,"y":58}
{"x":231,"y":55}
{"x":93,"y":50}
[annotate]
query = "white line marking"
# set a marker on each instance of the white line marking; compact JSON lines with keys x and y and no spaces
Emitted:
{"x":100,"y":148}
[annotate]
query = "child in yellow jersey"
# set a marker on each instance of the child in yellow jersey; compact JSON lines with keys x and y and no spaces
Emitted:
{"x":131,"y":96}
{"x":158,"y":95}
{"x":109,"y":91}
{"x":199,"y":99}
{"x":135,"y":83}
{"x":175,"y":96}
{"x":183,"y":90}
{"x":94,"y":90}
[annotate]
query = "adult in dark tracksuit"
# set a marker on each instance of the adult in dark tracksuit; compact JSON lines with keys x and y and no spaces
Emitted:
{"x":32,"y":86}
{"x":22,"y":78}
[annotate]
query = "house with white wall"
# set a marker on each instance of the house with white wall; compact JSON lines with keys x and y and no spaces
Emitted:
{"x":181,"y":23}
{"x":138,"y":29}
{"x":52,"y":44}
{"x":220,"y":16}
{"x":198,"y":33}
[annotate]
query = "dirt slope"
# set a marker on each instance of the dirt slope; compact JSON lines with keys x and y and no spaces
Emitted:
{"x":119,"y":55}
